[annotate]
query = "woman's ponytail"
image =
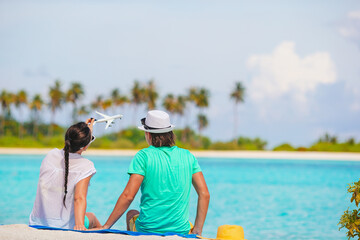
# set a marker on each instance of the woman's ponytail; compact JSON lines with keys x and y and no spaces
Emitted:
{"x":76,"y":137}
{"x":66,"y":151}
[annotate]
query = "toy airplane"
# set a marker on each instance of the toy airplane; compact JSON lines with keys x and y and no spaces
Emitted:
{"x":108,"y":119}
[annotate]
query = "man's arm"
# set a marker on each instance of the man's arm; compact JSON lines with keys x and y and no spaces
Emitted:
{"x":199,"y":184}
{"x":125,"y":199}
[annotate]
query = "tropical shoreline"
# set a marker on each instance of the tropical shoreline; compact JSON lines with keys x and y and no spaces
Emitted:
{"x":336,"y":156}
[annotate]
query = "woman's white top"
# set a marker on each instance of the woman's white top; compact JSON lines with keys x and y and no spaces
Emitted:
{"x":48,"y":208}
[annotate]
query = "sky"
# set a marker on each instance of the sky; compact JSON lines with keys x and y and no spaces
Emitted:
{"x":298,"y":60}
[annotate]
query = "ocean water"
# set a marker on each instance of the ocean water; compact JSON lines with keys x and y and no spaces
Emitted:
{"x":270,"y":199}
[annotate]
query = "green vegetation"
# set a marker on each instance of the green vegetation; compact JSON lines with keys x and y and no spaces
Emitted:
{"x":284,"y":147}
{"x":31,"y":131}
{"x":351,"y":219}
{"x":129,"y":138}
{"x":132,"y":138}
{"x":327,"y":143}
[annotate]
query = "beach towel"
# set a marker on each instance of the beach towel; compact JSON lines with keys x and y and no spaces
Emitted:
{"x":116,"y":232}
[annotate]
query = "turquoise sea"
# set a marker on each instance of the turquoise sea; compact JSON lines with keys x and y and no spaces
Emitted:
{"x":271,"y":199}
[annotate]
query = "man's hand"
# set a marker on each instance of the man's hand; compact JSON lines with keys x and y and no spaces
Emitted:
{"x":196,"y":231}
{"x":105,"y":227}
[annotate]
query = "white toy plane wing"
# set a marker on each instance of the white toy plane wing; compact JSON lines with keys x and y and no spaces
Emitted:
{"x":108,"y":123}
{"x":108,"y":119}
{"x":103,"y":115}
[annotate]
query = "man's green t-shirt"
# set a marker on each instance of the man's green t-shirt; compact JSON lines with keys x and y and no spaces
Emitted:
{"x":167,"y":172}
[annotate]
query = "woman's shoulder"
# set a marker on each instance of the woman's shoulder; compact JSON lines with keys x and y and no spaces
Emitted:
{"x":54,"y":151}
{"x":53,"y":154}
{"x":82,"y":162}
{"x":52,"y":158}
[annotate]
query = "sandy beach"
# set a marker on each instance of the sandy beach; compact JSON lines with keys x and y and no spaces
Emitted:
{"x":22,"y":231}
{"x":337,"y":156}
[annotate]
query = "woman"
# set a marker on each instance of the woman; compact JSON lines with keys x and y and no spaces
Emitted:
{"x":165,"y":174}
{"x":63,"y":183}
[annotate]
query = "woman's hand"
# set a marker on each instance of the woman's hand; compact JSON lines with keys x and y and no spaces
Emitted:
{"x":90,"y":123}
{"x":80,"y":227}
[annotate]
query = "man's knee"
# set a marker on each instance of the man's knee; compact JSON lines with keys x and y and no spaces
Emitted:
{"x":91,"y":218}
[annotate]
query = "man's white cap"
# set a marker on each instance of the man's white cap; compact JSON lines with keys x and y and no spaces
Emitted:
{"x":156,"y":121}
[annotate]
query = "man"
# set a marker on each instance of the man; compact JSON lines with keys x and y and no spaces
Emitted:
{"x":165,"y":174}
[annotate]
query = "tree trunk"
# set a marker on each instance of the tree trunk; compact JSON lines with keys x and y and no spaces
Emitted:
{"x":35,"y":127}
{"x":235,"y":122}
{"x":20,"y":124}
{"x":2,"y":126}
{"x":74,"y":113}
{"x":134,"y":116}
{"x":51,"y":127}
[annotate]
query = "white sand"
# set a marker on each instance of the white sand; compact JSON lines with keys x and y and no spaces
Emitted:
{"x":224,"y":154}
{"x":24,"y":232}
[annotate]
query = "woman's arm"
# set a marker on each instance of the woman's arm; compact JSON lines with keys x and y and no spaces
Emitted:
{"x":81,"y":189}
{"x":125,"y":199}
{"x":203,"y":201}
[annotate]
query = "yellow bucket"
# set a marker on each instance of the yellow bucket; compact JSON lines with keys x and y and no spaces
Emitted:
{"x":230,"y":232}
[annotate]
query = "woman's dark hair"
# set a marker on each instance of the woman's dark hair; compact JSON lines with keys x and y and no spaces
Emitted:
{"x":163,"y":139}
{"x":76,"y":137}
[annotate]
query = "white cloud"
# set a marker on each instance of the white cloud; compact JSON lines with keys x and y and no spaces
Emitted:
{"x":283,"y":72}
{"x":350,"y":28}
{"x":354,"y":15}
{"x":355,"y":90}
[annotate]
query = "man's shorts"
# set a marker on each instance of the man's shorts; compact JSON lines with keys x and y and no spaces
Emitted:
{"x":86,"y":222}
{"x":132,"y":223}
{"x":133,"y":228}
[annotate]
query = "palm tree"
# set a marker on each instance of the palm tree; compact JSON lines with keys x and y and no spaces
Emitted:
{"x":119,"y":100}
{"x":169,"y":103}
{"x":180,"y":106}
{"x":106,"y":104}
{"x":35,"y":106}
{"x":115,"y":94}
{"x":6,"y":99}
{"x":202,"y":98}
{"x":151,"y":95}
{"x":180,"y":110}
{"x":202,"y":122}
{"x":98,"y":103}
{"x":83,"y":110}
{"x":137,"y":97}
{"x":73,"y":95}
{"x":20,"y":100}
{"x":202,"y":101}
{"x":238,"y":96}
{"x":56,"y":99}
{"x":191,"y":99}
{"x":192,"y":94}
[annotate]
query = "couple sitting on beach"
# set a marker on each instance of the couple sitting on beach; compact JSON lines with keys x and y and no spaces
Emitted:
{"x":164,"y":172}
